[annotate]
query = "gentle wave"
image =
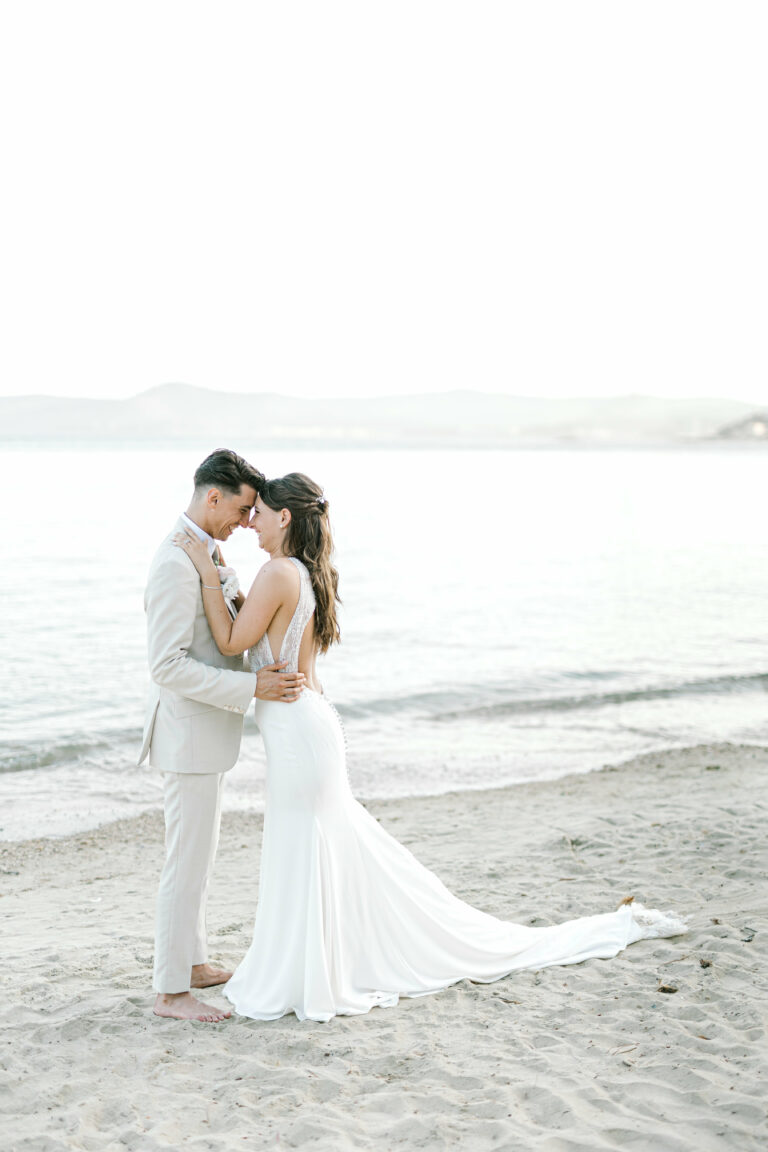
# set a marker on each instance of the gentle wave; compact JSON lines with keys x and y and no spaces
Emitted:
{"x":21,"y":756}
{"x":601,"y":699}
{"x":461,"y":705}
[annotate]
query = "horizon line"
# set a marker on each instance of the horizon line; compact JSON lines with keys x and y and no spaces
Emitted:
{"x":392,"y":396}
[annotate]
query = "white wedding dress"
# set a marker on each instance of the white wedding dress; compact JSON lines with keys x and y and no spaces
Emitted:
{"x":347,"y":918}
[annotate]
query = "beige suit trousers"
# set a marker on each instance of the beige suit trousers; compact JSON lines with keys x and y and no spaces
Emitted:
{"x":192,"y":818}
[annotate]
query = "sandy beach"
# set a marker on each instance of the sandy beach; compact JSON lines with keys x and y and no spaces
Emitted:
{"x":599,"y":1055}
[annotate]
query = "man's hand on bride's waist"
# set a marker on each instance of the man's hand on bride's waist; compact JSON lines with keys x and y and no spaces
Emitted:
{"x":272,"y":684}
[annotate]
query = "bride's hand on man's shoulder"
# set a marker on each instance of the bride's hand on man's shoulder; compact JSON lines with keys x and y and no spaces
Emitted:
{"x":195,"y":549}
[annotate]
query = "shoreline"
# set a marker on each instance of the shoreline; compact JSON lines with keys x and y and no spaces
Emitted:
{"x":568,"y":1058}
{"x":382,"y":801}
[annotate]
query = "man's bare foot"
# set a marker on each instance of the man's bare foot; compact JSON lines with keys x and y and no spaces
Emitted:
{"x":183,"y":1006}
{"x":204,"y":976}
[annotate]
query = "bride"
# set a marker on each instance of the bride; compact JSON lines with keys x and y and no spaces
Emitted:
{"x":347,"y":918}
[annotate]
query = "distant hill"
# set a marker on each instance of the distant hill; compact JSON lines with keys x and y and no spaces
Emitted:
{"x":181,"y":412}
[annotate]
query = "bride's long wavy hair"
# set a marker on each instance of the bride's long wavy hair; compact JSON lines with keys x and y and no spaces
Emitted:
{"x":309,"y":539}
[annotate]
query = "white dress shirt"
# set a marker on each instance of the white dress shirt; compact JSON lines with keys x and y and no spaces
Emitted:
{"x":212,"y":546}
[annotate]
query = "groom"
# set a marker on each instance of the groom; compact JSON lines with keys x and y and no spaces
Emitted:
{"x":193,"y":729}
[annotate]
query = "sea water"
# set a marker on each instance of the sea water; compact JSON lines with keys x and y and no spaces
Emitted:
{"x":507,"y":615}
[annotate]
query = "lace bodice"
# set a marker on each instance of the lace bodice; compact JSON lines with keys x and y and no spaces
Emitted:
{"x":261,"y":653}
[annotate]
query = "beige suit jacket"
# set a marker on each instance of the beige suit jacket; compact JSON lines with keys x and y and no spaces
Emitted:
{"x":198,"y":697}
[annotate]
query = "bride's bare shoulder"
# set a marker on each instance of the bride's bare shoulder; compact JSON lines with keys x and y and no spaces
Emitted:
{"x":280,"y":564}
{"x":278,"y":573}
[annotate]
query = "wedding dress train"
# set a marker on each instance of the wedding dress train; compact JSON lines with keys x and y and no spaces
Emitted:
{"x":347,"y":918}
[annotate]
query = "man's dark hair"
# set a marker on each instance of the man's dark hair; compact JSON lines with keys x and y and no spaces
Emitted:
{"x":228,"y":471}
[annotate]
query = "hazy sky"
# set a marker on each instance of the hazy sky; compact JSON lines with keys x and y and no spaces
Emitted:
{"x":354,"y":198}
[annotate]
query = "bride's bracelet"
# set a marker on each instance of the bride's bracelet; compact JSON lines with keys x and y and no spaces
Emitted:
{"x":211,"y":587}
